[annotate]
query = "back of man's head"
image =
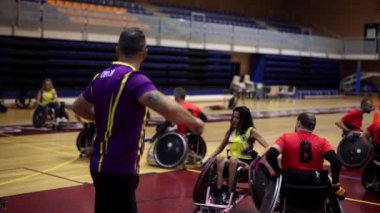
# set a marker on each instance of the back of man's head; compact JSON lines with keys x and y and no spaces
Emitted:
{"x":131,"y":42}
{"x":307,"y":120}
{"x":180,"y":92}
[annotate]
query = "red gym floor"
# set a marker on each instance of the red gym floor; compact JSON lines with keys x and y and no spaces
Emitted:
{"x":166,"y":192}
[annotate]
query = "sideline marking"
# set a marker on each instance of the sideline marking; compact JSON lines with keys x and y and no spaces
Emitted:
{"x":36,"y":174}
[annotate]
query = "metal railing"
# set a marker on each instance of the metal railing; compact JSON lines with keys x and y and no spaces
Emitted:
{"x":20,"y":15}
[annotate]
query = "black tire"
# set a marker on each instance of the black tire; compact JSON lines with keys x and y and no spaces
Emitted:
{"x":40,"y":116}
{"x":353,"y":153}
{"x":368,"y":176}
{"x":82,"y":140}
{"x":334,"y":205}
{"x":23,"y":102}
{"x":3,"y":109}
{"x":206,"y":178}
{"x":198,"y":146}
{"x":170,"y":150}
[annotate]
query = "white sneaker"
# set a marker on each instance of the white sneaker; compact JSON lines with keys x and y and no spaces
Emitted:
{"x":64,"y":120}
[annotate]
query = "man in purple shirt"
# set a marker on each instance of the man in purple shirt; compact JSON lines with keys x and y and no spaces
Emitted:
{"x":116,"y":99}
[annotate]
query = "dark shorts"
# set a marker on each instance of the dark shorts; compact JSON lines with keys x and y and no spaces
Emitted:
{"x":115,"y":192}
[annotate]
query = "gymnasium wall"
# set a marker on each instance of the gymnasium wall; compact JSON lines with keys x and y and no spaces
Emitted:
{"x":247,"y":7}
{"x":244,"y":59}
{"x":344,"y":18}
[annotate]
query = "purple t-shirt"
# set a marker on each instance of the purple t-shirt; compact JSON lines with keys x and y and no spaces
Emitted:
{"x":119,"y":118}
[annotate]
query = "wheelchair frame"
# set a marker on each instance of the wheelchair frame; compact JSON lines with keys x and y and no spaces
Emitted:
{"x":242,"y":192}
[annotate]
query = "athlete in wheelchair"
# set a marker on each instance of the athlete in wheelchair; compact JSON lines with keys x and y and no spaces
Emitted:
{"x":352,"y":152}
{"x":49,"y":108}
{"x":86,"y":137}
{"x":371,"y":173}
{"x":173,"y":147}
{"x":306,"y":186}
{"x":210,"y":192}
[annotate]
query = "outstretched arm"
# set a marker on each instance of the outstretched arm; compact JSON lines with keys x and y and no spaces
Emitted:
{"x":256,"y":135}
{"x":341,"y":125}
{"x":171,"y":110}
{"x":221,"y":146}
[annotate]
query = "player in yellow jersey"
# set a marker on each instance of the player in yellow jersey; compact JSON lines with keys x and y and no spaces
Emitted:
{"x":240,"y":137}
{"x":47,"y":96}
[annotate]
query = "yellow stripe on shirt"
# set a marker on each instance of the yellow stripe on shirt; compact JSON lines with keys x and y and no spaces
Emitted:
{"x":123,"y":82}
{"x":110,"y":120}
{"x":105,"y":140}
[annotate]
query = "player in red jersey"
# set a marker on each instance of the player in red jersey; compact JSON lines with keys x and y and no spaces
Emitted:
{"x":180,"y":96}
{"x":304,"y":151}
{"x":373,"y":133}
{"x":352,"y":120}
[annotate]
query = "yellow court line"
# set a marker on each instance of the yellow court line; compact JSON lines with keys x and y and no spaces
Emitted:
{"x":362,"y":201}
{"x":34,"y":147}
{"x":34,"y":140}
{"x":36,"y":174}
{"x":193,"y":170}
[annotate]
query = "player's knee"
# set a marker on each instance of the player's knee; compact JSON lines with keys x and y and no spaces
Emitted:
{"x":234,"y":161}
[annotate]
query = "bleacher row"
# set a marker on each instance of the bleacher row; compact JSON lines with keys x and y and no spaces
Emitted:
{"x":303,"y":72}
{"x":72,"y":64}
{"x":182,"y":13}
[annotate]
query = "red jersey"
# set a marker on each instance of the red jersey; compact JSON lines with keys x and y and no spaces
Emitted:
{"x":374,"y":130}
{"x":353,"y":119}
{"x":194,"y":109}
{"x":303,"y":150}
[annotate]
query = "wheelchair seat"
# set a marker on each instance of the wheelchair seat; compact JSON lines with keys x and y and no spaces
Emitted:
{"x":305,"y":190}
{"x":241,"y":172}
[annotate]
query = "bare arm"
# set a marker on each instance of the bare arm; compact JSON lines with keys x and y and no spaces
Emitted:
{"x":221,"y":147}
{"x":256,"y":135}
{"x":55,"y":96}
{"x":38,"y":98}
{"x":341,"y":125}
{"x":83,"y":108}
{"x":171,"y":110}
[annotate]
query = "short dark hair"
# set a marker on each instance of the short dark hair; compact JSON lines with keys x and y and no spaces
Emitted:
{"x":181,"y":92}
{"x":364,"y":101}
{"x":307,"y":120}
{"x":131,"y":41}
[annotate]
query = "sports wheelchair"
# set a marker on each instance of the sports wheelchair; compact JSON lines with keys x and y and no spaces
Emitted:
{"x":205,"y":187}
{"x":269,"y":194}
{"x":85,"y":139}
{"x":352,"y":151}
{"x":371,"y":173}
{"x":44,"y":115}
{"x":170,"y":149}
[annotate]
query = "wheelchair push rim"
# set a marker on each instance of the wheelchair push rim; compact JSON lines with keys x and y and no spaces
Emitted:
{"x":170,"y":150}
{"x":368,"y":177}
{"x":198,"y":146}
{"x":205,"y":179}
{"x":265,"y":191}
{"x":353,"y":153}
{"x":39,"y":116}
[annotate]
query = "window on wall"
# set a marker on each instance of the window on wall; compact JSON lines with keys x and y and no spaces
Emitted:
{"x":372,"y":31}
